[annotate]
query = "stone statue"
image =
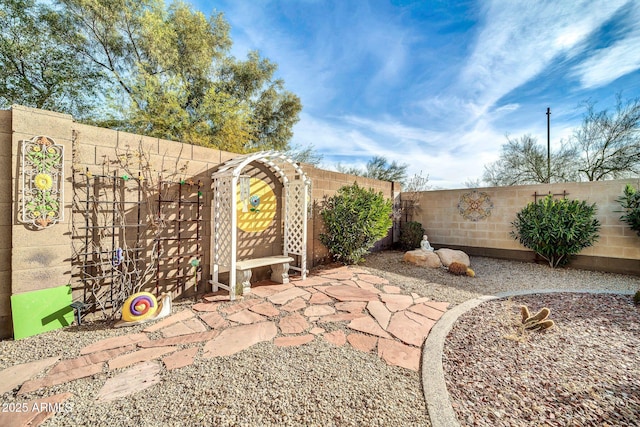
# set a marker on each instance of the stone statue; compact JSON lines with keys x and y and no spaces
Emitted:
{"x":425,"y":245}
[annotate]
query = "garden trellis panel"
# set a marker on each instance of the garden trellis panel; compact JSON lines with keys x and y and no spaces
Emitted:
{"x":179,"y":245}
{"x":110,"y":236}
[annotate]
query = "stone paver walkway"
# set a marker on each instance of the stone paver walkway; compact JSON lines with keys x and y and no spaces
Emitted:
{"x":371,"y":316}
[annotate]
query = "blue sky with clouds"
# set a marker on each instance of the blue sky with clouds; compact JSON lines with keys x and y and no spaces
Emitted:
{"x":436,"y":84}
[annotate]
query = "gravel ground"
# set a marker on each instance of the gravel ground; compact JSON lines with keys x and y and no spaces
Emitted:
{"x":585,"y":371}
{"x":493,"y":276}
{"x":316,"y":384}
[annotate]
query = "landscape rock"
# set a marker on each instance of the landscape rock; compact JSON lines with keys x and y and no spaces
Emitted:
{"x":422,"y":258}
{"x":134,"y":380}
{"x":12,"y":377}
{"x":447,"y":256}
{"x":238,"y":338}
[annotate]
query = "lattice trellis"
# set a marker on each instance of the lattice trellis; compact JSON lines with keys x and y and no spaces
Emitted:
{"x":221,"y":250}
{"x":296,"y":216}
{"x":108,"y":230}
{"x":224,"y":239}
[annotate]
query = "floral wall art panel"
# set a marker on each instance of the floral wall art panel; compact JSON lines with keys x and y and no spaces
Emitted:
{"x":42,"y":182}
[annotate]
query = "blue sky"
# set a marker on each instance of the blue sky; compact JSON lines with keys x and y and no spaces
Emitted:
{"x":437,"y":84}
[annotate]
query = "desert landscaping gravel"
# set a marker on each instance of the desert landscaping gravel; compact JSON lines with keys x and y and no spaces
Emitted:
{"x":315,"y":384}
{"x":585,"y":371}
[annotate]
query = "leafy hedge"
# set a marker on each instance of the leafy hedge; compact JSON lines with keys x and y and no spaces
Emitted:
{"x":630,"y":202}
{"x":354,"y":219}
{"x":411,"y":235}
{"x":556,"y":229}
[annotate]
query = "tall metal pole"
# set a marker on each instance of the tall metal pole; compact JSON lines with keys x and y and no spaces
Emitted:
{"x":548,"y":145}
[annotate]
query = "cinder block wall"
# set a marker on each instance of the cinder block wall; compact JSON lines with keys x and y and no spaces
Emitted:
{"x":107,"y":152}
{"x":618,"y":248}
{"x":33,"y":260}
{"x":40,"y":259}
{"x":6,"y":196}
{"x":325,"y":184}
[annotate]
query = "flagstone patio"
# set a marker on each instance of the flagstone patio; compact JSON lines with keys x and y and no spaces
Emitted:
{"x":344,"y":306}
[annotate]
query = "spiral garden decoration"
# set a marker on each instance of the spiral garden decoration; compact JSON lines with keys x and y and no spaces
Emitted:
{"x":139,"y":306}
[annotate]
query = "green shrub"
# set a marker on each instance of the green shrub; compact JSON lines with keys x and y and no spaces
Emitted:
{"x":556,"y":229}
{"x":411,"y":235}
{"x":630,"y":202}
{"x":636,"y":297}
{"x":354,"y":219}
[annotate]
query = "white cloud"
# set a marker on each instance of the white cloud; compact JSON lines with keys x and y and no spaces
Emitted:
{"x":315,"y":63}
{"x":507,"y":108}
{"x":613,"y":62}
{"x":393,"y":130}
{"x":449,"y":158}
{"x":453,"y":131}
{"x":516,"y":41}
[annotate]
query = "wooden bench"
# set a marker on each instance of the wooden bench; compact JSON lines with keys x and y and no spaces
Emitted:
{"x":279,"y":271}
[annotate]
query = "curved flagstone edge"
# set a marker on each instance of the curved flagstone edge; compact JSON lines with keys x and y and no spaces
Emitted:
{"x":433,"y":383}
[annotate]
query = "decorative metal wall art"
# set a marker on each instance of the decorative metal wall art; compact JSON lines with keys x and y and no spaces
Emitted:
{"x":42,"y":182}
{"x":475,"y":205}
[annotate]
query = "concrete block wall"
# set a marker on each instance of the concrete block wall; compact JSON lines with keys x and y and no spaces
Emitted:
{"x":6,"y":196}
{"x":40,"y":259}
{"x":618,"y":248}
{"x":326,"y":184}
{"x":33,"y":260}
{"x":108,"y":152}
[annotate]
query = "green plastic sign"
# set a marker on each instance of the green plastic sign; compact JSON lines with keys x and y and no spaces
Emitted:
{"x":41,"y":311}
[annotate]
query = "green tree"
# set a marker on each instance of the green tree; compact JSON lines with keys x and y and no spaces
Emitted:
{"x":378,"y":167}
{"x":272,"y":110}
{"x":306,"y":154}
{"x":630,"y":202}
{"x":605,"y":146}
{"x":161,"y":71}
{"x":172,"y":66}
{"x":37,"y":69}
{"x":524,"y":161}
{"x":411,"y":233}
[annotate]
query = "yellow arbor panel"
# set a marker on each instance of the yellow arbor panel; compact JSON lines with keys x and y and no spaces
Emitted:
{"x":256,"y":212}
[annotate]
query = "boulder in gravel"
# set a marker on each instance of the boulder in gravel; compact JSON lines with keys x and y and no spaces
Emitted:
{"x":423,"y":258}
{"x":447,"y":256}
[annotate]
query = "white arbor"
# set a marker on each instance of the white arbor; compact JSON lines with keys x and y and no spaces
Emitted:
{"x":227,"y":181}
